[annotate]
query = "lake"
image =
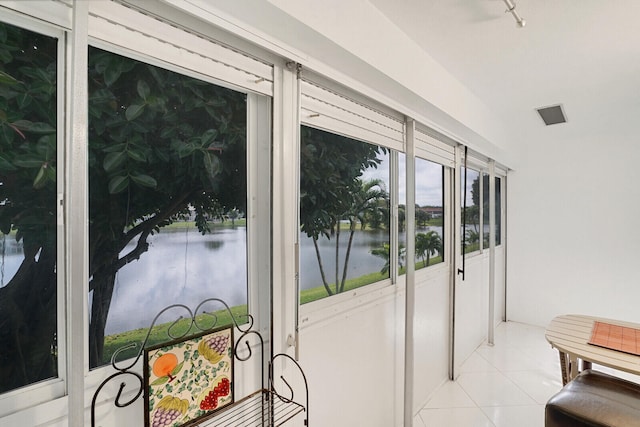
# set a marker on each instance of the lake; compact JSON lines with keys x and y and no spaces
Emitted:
{"x":183,"y":266}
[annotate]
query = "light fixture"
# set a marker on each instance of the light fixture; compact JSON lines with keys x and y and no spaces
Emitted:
{"x":511,"y":8}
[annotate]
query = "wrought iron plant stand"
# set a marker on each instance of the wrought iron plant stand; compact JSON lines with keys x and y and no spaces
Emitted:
{"x":264,"y":407}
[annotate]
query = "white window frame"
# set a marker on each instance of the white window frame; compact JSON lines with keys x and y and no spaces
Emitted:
{"x":51,"y":389}
{"x":332,"y":108}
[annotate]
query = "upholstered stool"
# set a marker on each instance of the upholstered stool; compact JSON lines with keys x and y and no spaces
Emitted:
{"x":595,"y":399}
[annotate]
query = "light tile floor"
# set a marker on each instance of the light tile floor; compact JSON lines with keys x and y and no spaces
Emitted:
{"x":504,"y":385}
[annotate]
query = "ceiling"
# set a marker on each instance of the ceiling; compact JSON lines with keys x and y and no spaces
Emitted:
{"x":584,"y":54}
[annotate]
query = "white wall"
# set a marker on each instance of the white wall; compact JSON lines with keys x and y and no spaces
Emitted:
{"x":574,"y":239}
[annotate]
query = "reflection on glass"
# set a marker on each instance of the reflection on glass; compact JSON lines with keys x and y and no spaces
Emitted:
{"x":429,"y":213}
{"x":28,"y":241}
{"x":344,"y":214}
{"x":470,"y":216}
{"x":167,"y":196}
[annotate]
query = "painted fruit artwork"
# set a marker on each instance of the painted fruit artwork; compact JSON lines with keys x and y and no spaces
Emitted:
{"x":188,"y":380}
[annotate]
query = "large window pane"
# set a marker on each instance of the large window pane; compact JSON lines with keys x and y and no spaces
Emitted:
{"x":167,"y":197}
{"x":429,"y":213}
{"x":28,"y":279}
{"x":344,"y":214}
{"x":470,"y":214}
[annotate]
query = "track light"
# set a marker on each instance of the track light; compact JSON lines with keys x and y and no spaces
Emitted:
{"x":511,"y":8}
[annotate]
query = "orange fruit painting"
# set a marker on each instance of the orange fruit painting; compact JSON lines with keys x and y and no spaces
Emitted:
{"x":164,"y":365}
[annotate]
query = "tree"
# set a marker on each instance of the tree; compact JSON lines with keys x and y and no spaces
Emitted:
{"x":160,"y":144}
{"x":28,"y":320}
{"x":428,"y":244}
{"x":421,"y":217}
{"x":331,"y":190}
{"x":384,"y":252}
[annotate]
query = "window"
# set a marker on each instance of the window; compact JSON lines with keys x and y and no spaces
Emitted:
{"x":429,"y":213}
{"x":28,"y":208}
{"x":486,"y":196}
{"x":470,"y":213}
{"x":167,"y":197}
{"x":344,"y":214}
{"x":498,"y":208}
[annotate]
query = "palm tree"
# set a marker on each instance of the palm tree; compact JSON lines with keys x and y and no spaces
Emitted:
{"x":427,"y":244}
{"x":366,"y":202}
{"x":384,"y":252}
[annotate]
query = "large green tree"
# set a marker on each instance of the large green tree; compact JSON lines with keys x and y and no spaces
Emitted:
{"x":161,"y":145}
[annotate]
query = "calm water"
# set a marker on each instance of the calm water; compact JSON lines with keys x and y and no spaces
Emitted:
{"x":183,"y":266}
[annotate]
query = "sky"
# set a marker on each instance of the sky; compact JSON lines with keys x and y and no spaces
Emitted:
{"x":428,"y":179}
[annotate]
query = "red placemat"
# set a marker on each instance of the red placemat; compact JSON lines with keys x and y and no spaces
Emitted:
{"x":614,"y":337}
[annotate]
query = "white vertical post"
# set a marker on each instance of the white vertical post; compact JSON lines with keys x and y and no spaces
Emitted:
{"x":410,"y":210}
{"x":285,"y":208}
{"x":77,"y":214}
{"x":492,"y":250}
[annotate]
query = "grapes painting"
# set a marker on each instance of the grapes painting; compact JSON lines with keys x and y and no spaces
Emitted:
{"x":188,"y":379}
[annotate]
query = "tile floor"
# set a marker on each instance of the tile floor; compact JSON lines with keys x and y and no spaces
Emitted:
{"x":505,"y":385}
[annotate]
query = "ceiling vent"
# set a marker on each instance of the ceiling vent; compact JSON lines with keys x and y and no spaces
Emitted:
{"x":552,"y":115}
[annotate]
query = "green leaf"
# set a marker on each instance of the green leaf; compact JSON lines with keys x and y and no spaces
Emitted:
{"x":177,"y":368}
{"x":41,"y":178}
{"x":134,"y":111}
{"x":113,"y":161}
{"x":212,"y":164}
{"x":34,"y":127}
{"x":209,"y":136}
{"x":185,"y":149}
{"x":7,"y":79}
{"x":144,"y":180}
{"x":112,"y":73}
{"x":160,"y":381}
{"x":28,"y":163}
{"x":118,"y":184}
{"x":137,"y":154}
{"x":115,"y":147}
{"x":143,"y":89}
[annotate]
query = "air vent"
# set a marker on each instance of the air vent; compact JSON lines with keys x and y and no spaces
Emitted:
{"x":552,"y":115}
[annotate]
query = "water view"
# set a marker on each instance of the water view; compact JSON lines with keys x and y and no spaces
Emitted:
{"x":183,"y":266}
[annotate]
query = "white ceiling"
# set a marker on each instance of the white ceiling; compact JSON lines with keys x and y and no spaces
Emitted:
{"x":584,"y":54}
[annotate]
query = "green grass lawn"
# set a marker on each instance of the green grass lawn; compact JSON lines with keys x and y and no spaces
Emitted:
{"x":319,"y":292}
{"x":159,"y":333}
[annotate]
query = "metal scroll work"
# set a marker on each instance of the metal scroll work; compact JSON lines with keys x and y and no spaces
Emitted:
{"x":272,"y":409}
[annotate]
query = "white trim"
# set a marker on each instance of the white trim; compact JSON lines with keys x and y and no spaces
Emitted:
{"x":77,"y":212}
{"x":54,"y":12}
{"x":118,"y":25}
{"x":435,"y":150}
{"x":327,"y":110}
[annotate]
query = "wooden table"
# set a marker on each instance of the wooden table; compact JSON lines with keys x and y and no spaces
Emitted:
{"x":570,"y":334}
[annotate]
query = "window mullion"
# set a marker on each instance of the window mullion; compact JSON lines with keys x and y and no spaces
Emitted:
{"x":77,"y":214}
